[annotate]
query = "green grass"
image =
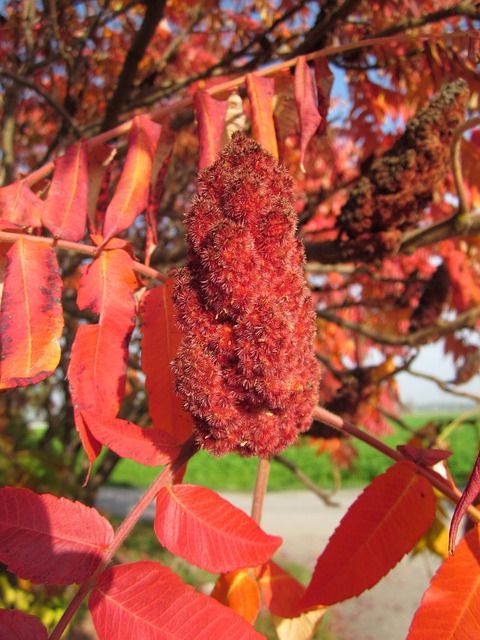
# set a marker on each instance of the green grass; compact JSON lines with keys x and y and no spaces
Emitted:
{"x":234,"y":473}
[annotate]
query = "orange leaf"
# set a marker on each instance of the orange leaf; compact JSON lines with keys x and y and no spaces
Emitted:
{"x":238,"y":591}
{"x":161,"y":337}
{"x":281,"y":592}
{"x":210,"y":114}
{"x":31,"y":320}
{"x":450,"y":608}
{"x":65,"y":210}
{"x":306,"y":99}
{"x":99,"y":352}
{"x":18,"y":204}
{"x":131,"y":194}
{"x":382,"y":525}
{"x":260,"y":92}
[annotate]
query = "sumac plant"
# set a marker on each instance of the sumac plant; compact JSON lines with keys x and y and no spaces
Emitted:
{"x":304,"y":250}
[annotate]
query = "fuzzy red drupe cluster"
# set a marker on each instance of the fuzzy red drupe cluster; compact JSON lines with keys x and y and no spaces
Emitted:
{"x":246,"y":368}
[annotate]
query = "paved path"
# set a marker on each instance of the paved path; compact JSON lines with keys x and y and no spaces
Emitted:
{"x":305,"y":524}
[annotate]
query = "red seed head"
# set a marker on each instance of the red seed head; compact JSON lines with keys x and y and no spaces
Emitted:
{"x":246,"y":369}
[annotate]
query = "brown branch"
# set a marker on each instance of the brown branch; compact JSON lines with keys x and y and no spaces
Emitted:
{"x":51,"y":101}
{"x":77,"y":247}
{"x":9,"y":125}
{"x":336,"y":422}
{"x":462,"y":9}
{"x":465,"y":319}
{"x":304,"y":479}
{"x":153,"y":14}
{"x":324,"y":27}
{"x":453,"y":227}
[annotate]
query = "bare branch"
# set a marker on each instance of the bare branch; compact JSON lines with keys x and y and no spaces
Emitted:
{"x":51,"y":101}
{"x":445,"y":386}
{"x":153,"y":15}
{"x":465,"y":319}
{"x":462,"y":9}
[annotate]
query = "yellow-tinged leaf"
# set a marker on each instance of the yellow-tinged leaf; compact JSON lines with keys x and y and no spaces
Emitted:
{"x":260,"y":92}
{"x":301,"y":628}
{"x":235,"y":119}
{"x":31,"y":321}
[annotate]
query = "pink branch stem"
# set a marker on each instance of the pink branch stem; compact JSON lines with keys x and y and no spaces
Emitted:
{"x":263,"y":471}
{"x":77,"y":247}
{"x":165,"y":477}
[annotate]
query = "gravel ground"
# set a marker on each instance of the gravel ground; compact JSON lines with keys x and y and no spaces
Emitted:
{"x":305,"y":524}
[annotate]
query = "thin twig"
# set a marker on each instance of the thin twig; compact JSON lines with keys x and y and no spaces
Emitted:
{"x":326,"y":496}
{"x":444,"y":386}
{"x":48,"y":98}
{"x":77,"y":247}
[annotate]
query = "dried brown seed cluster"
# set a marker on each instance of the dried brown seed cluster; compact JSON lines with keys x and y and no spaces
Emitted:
{"x":392,"y":194}
{"x":432,"y":301}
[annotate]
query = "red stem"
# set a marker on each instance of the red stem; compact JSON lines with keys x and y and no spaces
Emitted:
{"x":166,"y":476}
{"x":78,"y":247}
{"x":263,"y":471}
{"x":336,"y":422}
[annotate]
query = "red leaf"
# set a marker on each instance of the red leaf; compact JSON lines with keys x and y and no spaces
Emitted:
{"x":99,"y":165}
{"x":281,"y":592}
{"x":20,"y":205}
{"x":324,"y":80}
{"x":200,"y":526}
{"x":15,"y":625}
{"x":161,"y":163}
{"x":423,"y":457}
{"x":98,"y":358}
{"x":468,"y":497}
{"x":260,"y":92}
{"x":48,"y":539}
{"x":146,"y":446}
{"x":238,"y":590}
{"x":210,"y":114}
{"x":382,"y":525}
{"x":450,"y":608}
{"x":306,"y":99}
{"x":131,"y":194}
{"x":161,"y":337}
{"x":148,"y":601}
{"x":65,"y":210}
{"x":31,"y":319}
